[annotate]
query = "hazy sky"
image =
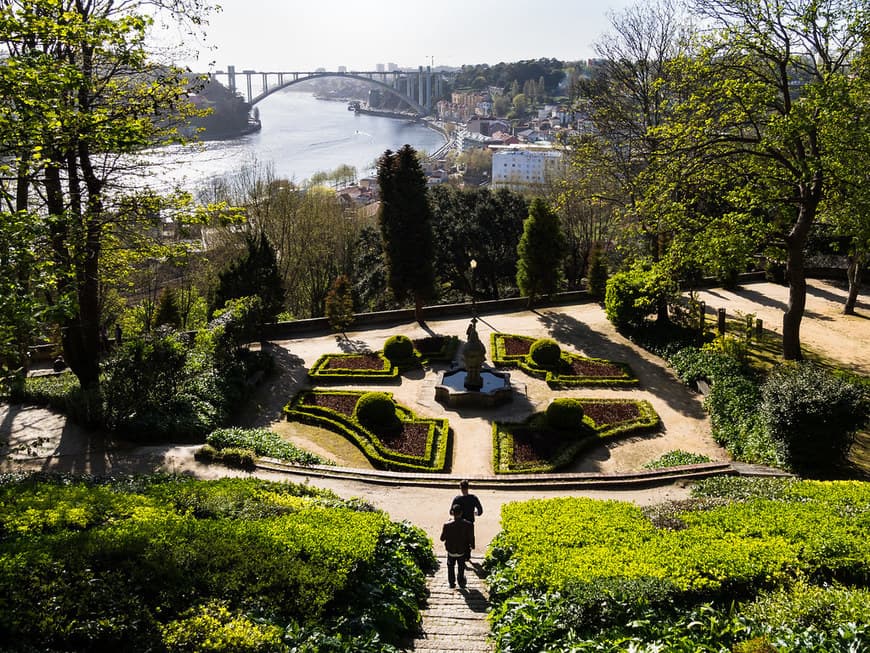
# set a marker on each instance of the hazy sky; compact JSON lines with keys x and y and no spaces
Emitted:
{"x":293,"y":35}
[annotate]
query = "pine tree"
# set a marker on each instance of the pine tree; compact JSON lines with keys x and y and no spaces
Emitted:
{"x":167,"y":312}
{"x":540,"y":252}
{"x":596,"y":273}
{"x":406,"y":227}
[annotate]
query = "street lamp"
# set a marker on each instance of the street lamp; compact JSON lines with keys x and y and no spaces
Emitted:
{"x":473,"y":267}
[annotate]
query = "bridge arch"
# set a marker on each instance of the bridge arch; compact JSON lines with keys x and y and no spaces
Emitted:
{"x":298,"y":78}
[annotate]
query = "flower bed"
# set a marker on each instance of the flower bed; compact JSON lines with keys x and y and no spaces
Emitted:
{"x":509,"y":350}
{"x":418,"y":444}
{"x":374,"y":366}
{"x":534,"y":447}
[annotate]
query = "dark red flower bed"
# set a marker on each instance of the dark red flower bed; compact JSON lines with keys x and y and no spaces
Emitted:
{"x":537,"y":445}
{"x":410,"y":440}
{"x":514,"y":346}
{"x":429,"y":345}
{"x":611,"y":413}
{"x":355,"y":362}
{"x":343,"y":404}
{"x":587,"y":368}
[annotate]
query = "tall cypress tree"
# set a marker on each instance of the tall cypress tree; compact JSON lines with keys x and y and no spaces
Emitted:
{"x":540,"y":252}
{"x":406,"y":227}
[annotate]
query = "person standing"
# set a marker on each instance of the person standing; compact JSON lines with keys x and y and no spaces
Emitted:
{"x":471,"y":508}
{"x":458,"y":538}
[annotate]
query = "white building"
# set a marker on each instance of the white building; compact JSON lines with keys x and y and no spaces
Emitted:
{"x":524,"y":167}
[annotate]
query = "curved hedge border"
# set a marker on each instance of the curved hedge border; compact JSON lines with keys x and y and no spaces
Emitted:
{"x":501,"y":358}
{"x":381,"y":456}
{"x":426,"y":351}
{"x":503,"y":437}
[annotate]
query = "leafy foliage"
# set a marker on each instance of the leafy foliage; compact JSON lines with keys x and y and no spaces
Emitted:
{"x":676,"y":458}
{"x":168,"y":563}
{"x":812,"y":415}
{"x":254,"y":273}
{"x":718,"y":575}
{"x":633,"y":295}
{"x":263,"y":443}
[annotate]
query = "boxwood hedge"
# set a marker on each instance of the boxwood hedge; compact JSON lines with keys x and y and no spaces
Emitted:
{"x":304,"y":408}
{"x":600,"y":372}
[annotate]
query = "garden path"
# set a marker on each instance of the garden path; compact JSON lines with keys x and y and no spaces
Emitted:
{"x":455,"y":619}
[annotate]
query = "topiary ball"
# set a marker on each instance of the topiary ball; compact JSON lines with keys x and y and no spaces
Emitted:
{"x":545,"y":352}
{"x":376,"y":410}
{"x":565,"y":414}
{"x":398,"y":348}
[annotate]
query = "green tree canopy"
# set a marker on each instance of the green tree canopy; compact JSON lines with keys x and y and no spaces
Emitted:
{"x":540,"y":252}
{"x":406,"y":227}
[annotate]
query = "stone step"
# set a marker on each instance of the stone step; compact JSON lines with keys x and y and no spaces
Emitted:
{"x":454,"y":619}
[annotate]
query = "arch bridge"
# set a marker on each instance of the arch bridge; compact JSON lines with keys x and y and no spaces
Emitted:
{"x":415,"y":87}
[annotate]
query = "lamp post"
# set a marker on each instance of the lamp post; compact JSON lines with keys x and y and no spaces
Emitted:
{"x":473,"y":267}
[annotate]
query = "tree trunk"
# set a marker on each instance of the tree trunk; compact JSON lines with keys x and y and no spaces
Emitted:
{"x":853,"y":273}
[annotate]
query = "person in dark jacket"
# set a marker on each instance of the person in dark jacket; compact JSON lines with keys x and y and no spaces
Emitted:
{"x":458,"y":538}
{"x":471,"y":507}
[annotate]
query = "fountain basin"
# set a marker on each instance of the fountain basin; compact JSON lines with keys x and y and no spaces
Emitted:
{"x":495,"y":389}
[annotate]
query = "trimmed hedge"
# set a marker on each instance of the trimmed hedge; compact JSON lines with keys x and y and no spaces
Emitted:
{"x":586,"y":436}
{"x":565,"y":414}
{"x":571,"y":574}
{"x":612,"y":373}
{"x":302,"y":409}
{"x":321,"y":370}
{"x":176,"y":564}
{"x":398,"y":349}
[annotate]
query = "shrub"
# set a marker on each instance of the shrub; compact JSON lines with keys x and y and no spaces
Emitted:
{"x":263,"y":442}
{"x":376,"y":410}
{"x":545,"y":352}
{"x":632,"y":295}
{"x":676,"y":458}
{"x":398,"y":348}
{"x":565,"y":414}
{"x":811,"y":414}
{"x":212,"y":627}
{"x":596,"y":273}
{"x":339,"y":304}
{"x":237,"y":457}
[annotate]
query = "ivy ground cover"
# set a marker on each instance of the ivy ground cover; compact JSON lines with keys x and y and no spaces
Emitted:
{"x":723,"y":572}
{"x":173,"y":564}
{"x":533,"y":446}
{"x":418,"y":444}
{"x":509,"y":350}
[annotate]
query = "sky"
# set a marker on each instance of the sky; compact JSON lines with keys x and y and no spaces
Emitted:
{"x":288,"y":35}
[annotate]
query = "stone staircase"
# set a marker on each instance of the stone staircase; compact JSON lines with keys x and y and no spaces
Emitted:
{"x":455,"y":619}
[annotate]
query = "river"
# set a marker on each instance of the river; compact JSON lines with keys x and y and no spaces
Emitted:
{"x":301,"y":135}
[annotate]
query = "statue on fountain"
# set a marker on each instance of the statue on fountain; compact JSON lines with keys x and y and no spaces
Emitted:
{"x":473,"y":356}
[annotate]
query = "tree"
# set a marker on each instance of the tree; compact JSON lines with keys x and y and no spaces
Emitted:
{"x":405,"y":220}
{"x":482,"y":225}
{"x":771,"y":97}
{"x":79,"y":91}
{"x":339,"y":304}
{"x":540,"y":252}
{"x":255,"y":273}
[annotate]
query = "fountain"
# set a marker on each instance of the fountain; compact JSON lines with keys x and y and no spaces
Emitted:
{"x":474,"y":385}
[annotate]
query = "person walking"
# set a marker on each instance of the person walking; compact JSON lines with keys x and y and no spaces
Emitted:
{"x":458,"y":538}
{"x":471,"y":508}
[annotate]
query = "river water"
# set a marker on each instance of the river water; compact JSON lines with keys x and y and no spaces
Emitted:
{"x":301,"y":135}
